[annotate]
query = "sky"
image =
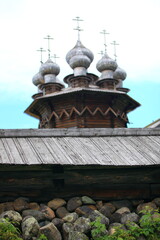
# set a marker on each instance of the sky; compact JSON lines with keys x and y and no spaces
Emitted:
{"x":25,"y":23}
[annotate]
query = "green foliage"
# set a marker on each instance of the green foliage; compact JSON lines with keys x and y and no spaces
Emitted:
{"x":8,"y":231}
{"x":149,"y":227}
{"x":42,"y":237}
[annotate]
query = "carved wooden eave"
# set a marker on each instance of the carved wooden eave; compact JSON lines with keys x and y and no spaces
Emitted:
{"x":84,"y":105}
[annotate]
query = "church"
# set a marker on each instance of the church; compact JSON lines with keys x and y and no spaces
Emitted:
{"x":82,"y":145}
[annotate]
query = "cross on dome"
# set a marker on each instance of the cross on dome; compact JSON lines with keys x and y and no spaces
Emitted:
{"x":48,"y":38}
{"x":41,"y":50}
{"x":54,"y":57}
{"x":104,"y":32}
{"x":78,"y":27}
{"x":114,"y":43}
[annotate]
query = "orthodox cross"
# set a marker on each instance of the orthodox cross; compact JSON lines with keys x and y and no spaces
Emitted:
{"x":78,"y":27}
{"x":115,"y":44}
{"x":48,"y":38}
{"x":101,"y":53}
{"x":41,"y":50}
{"x":55,"y":57}
{"x":105,"y":44}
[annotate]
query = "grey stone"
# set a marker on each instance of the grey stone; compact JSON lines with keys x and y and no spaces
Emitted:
{"x":34,"y":206}
{"x":71,"y":217}
{"x":129,"y":217}
{"x":43,"y":223}
{"x":56,"y":203}
{"x":58,"y":222}
{"x":38,"y":215}
{"x":66,"y":229}
{"x":123,"y":210}
{"x":151,"y":206}
{"x":51,"y":232}
{"x":61,"y":212}
{"x":111,"y":207}
{"x":48,"y":212}
{"x":74,"y":203}
{"x":82,"y":225}
{"x":13,"y":216}
{"x":99,"y":204}
{"x":84,"y":211}
{"x":30,"y":228}
{"x":74,"y":235}
{"x":21,"y":204}
{"x":115,"y":217}
{"x":156,"y":201}
{"x":106,"y":211}
{"x":97,"y":215}
{"x":87,"y":200}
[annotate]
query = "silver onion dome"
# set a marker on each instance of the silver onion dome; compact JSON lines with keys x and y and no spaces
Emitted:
{"x":79,"y":58}
{"x":49,"y":67}
{"x":38,"y":79}
{"x":106,"y":63}
{"x":84,"y":50}
{"x":120,"y":74}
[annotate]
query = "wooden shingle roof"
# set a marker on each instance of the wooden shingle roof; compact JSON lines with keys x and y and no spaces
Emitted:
{"x":109,"y":147}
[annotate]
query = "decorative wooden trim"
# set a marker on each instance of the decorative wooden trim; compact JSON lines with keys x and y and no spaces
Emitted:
{"x":87,"y":109}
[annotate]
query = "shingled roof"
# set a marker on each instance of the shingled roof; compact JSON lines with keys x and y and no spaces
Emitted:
{"x":86,"y":146}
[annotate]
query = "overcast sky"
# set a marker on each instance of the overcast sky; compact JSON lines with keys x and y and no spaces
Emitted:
{"x":25,"y":23}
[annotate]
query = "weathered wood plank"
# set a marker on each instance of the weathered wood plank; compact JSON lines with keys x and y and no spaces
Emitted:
{"x":109,"y":176}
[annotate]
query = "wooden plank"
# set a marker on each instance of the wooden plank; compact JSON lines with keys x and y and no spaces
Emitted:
{"x":4,"y":133}
{"x":106,"y":176}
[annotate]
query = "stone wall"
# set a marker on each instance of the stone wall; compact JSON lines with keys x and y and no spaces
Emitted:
{"x":70,"y":219}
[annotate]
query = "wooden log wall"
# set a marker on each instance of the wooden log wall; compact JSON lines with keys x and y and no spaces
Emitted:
{"x":42,"y":183}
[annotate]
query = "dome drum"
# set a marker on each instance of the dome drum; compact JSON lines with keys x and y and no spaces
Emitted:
{"x":109,"y":84}
{"x":79,"y":81}
{"x":49,"y":88}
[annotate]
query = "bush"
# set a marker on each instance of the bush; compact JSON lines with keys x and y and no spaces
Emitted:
{"x":8,"y":231}
{"x":149,"y":227}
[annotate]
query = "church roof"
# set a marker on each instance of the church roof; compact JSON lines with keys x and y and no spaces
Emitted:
{"x":83,"y":146}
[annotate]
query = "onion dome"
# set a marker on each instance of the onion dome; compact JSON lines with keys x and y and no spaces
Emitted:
{"x":119,"y":74}
{"x":79,"y":58}
{"x":38,"y":79}
{"x":49,"y":67}
{"x":107,"y":66}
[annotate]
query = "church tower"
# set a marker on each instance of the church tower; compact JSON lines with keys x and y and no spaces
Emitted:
{"x":88,"y":101}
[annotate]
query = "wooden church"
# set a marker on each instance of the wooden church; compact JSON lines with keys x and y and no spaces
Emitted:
{"x":83,"y":145}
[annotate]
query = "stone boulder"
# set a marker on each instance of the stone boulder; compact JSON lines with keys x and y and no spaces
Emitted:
{"x":130,"y":217}
{"x":34,"y":206}
{"x":61,"y":212}
{"x":84,"y":211}
{"x":82,"y":225}
{"x":38,"y":215}
{"x":67,"y":228}
{"x":73,"y":203}
{"x":97,"y":215}
{"x":87,"y":200}
{"x":30,"y":228}
{"x":21,"y":204}
{"x":71,"y":217}
{"x":150,"y":206}
{"x":48,"y":212}
{"x":51,"y":232}
{"x":74,"y":235}
{"x":56,"y":203}
{"x":13,"y":217}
